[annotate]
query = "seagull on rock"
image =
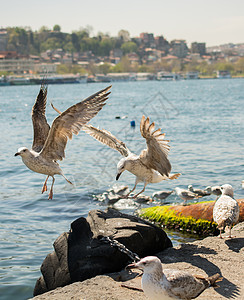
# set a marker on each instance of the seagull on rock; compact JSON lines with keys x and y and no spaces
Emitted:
{"x":199,"y":192}
{"x":159,"y":284}
{"x":215,"y":190}
{"x":185,"y":194}
{"x":151,"y":166}
{"x":162,"y":195}
{"x":226,"y":209}
{"x":49,"y":143}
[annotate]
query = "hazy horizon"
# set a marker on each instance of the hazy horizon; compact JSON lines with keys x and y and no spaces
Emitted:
{"x":213,"y":22}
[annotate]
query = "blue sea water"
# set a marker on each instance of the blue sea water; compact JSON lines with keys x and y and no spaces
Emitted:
{"x":203,"y":119}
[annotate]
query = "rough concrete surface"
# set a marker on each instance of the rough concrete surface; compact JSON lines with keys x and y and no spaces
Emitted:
{"x":206,"y":257}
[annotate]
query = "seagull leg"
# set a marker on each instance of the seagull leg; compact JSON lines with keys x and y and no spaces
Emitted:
{"x":145,"y":184}
{"x":44,"y":188}
{"x":230,"y":233}
{"x":126,"y":196}
{"x":50,"y":196}
{"x":184,"y":203}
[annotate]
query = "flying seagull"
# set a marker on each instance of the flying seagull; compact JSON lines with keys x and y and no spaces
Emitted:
{"x":158,"y":283}
{"x":151,"y":166}
{"x":226,"y":209}
{"x":49,"y":143}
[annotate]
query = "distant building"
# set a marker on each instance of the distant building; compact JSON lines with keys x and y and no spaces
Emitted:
{"x":179,"y":48}
{"x":8,"y":54}
{"x":162,"y":44}
{"x":17,"y":66}
{"x":198,"y":48}
{"x":44,"y":69}
{"x":147,"y":39}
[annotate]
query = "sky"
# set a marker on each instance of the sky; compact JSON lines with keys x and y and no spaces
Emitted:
{"x":214,"y":22}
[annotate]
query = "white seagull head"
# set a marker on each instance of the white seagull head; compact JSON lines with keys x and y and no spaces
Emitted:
{"x":149,"y":265}
{"x":23,"y":152}
{"x":121,"y":167}
{"x":227,"y":189}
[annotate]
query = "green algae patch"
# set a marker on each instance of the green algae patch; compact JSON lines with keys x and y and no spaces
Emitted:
{"x":168,"y":217}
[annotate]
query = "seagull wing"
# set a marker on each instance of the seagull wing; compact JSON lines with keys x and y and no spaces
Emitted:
{"x":70,"y":122}
{"x":156,"y":154}
{"x":40,"y":125}
{"x":105,"y":137}
{"x":188,"y":194}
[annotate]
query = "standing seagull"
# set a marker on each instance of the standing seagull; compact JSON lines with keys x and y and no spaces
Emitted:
{"x":161,"y":195}
{"x":185,"y":194}
{"x":159,"y":284}
{"x":215,"y":190}
{"x":49,"y":143}
{"x":199,"y":192}
{"x":226,"y":209}
{"x":151,"y":166}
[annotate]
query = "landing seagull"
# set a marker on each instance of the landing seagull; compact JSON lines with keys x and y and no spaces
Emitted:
{"x":226,"y":209}
{"x":158,"y":283}
{"x":49,"y":143}
{"x":151,"y":166}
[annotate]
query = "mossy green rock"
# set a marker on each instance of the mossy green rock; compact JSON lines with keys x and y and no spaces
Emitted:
{"x":171,"y":218}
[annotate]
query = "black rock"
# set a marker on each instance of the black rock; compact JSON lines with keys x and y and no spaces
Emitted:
{"x":82,"y":254}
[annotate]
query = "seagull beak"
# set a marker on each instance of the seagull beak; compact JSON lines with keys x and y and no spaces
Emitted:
{"x":16,"y":154}
{"x":131,"y":266}
{"x":117,"y":176}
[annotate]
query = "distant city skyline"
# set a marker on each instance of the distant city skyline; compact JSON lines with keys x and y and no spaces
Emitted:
{"x":213,"y":22}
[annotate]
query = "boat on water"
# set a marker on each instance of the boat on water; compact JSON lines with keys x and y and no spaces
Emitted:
{"x":18,"y":80}
{"x":4,"y":81}
{"x":55,"y":79}
{"x":168,"y":76}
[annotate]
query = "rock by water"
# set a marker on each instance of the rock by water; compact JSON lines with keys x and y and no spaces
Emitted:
{"x":81,"y":254}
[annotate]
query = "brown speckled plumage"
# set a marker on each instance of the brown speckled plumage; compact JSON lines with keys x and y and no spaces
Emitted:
{"x":151,"y":166}
{"x":49,"y":144}
{"x":159,"y":284}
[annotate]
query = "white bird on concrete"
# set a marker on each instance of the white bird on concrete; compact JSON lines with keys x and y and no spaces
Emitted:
{"x":226,"y":209}
{"x":185,"y":194}
{"x":49,"y":143}
{"x":165,"y":284}
{"x":151,"y":166}
{"x":199,"y":192}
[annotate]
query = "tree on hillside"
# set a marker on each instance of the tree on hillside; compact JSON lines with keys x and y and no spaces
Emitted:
{"x":129,"y":47}
{"x":124,"y":35}
{"x":56,"y":28}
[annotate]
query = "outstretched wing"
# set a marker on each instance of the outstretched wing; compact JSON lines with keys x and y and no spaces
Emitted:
{"x":70,"y":122}
{"x":105,"y":137}
{"x":40,"y":125}
{"x":156,"y":154}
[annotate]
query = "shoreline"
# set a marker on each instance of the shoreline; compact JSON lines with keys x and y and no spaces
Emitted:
{"x":17,"y":80}
{"x":204,"y":257}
